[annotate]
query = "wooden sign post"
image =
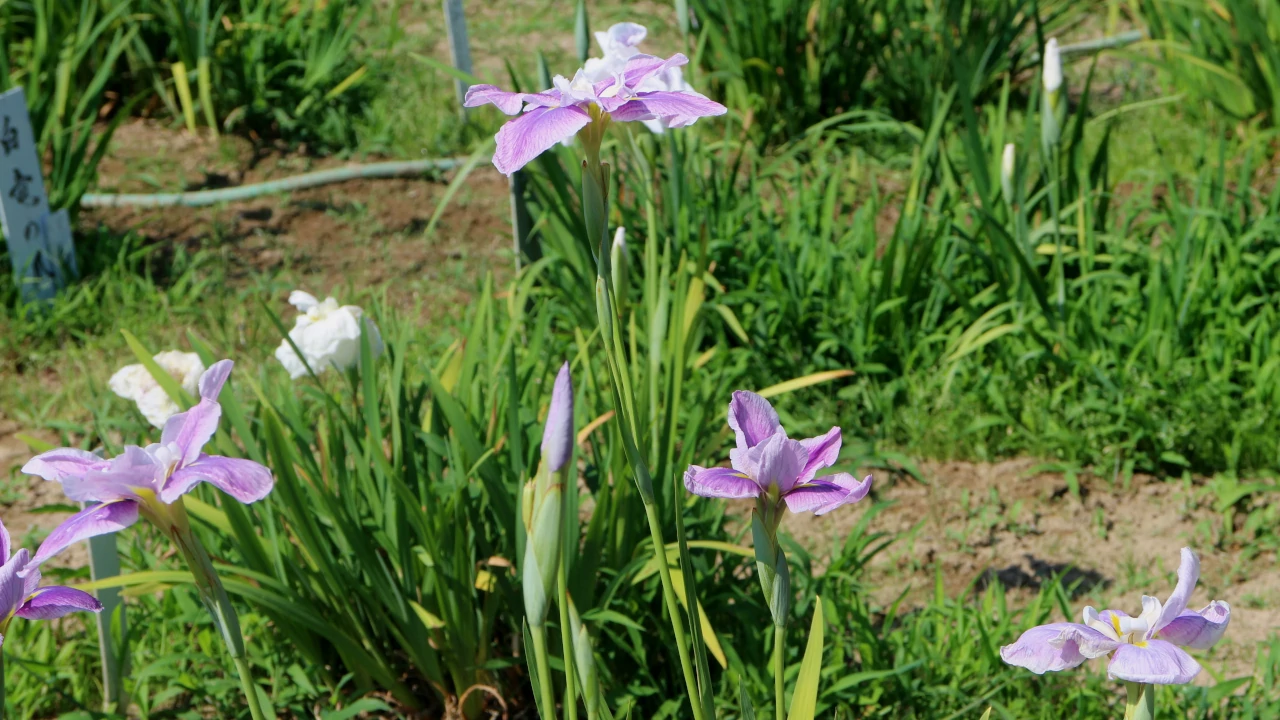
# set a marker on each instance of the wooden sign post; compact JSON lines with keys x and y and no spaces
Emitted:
{"x":39,"y":241}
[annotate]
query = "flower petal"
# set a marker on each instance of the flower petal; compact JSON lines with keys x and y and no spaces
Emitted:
{"x":54,"y":601}
{"x":824,"y":450}
{"x":60,"y":464}
{"x":191,"y":430}
{"x":752,"y":419}
{"x":1199,"y":630}
{"x":4,"y":543}
{"x":510,"y":103}
{"x":303,"y":300}
{"x":640,"y":67}
{"x":128,"y":474}
{"x":244,"y":480}
{"x":93,"y":521}
{"x":824,"y":494}
{"x":12,"y":586}
{"x":1188,"y":576}
{"x":212,"y":380}
{"x":719,"y":482}
{"x":623,"y":34}
{"x":677,"y":109}
{"x":557,"y":436}
{"x":781,"y":461}
{"x":1156,"y":662}
{"x":1057,"y":646}
{"x":533,"y":133}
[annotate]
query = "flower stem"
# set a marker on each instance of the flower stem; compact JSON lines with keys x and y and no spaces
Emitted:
{"x":566,"y":641}
{"x":1141,"y":704}
{"x":539,"y":633}
{"x":2,"y":697}
{"x":673,"y":609}
{"x":250,"y":689}
{"x":779,"y":686}
{"x":214,"y":597}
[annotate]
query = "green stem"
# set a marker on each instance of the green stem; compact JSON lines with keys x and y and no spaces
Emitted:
{"x":2,"y":698}
{"x":173,"y":519}
{"x":566,"y":641}
{"x":779,"y":686}
{"x":1141,"y":704}
{"x":249,"y":688}
{"x":673,"y":609}
{"x":539,"y":633}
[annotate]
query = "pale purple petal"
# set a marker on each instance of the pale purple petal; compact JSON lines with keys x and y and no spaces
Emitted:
{"x":1188,"y":576}
{"x":55,"y":601}
{"x":719,"y":482}
{"x":626,"y":34}
{"x":814,"y":495}
{"x":90,"y":522}
{"x":678,"y":109}
{"x":12,"y":586}
{"x":192,"y":430}
{"x":1057,"y":646}
{"x":533,"y":133}
{"x":752,"y":419}
{"x":781,"y":461}
{"x":57,"y":465}
{"x":640,"y":67}
{"x":1157,"y":663}
{"x":214,"y":378}
{"x":4,"y":543}
{"x":1199,"y":630}
{"x":128,"y":474}
{"x":828,"y":493}
{"x":823,"y":450}
{"x":509,"y":103}
{"x":557,"y":436}
{"x":32,"y":576}
{"x":244,"y":480}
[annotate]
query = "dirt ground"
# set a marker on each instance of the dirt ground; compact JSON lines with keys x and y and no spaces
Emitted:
{"x":978,"y":521}
{"x":357,"y":234}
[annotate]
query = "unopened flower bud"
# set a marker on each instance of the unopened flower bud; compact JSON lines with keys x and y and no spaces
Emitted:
{"x":1006,"y":174}
{"x":1052,"y":112}
{"x":621,"y":267}
{"x":1051,"y":67}
{"x":557,"y":437}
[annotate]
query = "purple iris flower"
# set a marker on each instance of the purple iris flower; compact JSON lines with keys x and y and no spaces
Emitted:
{"x":21,"y":594}
{"x":767,"y":464}
{"x":1143,"y":649}
{"x":149,"y":479}
{"x":558,"y":113}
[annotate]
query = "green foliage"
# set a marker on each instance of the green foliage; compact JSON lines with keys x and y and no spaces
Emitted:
{"x":794,"y":63}
{"x":63,"y":56}
{"x":1226,"y":53}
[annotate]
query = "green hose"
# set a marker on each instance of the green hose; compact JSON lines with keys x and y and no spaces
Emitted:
{"x":203,"y":198}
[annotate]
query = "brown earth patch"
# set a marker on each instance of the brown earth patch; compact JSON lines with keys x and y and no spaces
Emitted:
{"x":353,"y":234}
{"x":976,"y":522}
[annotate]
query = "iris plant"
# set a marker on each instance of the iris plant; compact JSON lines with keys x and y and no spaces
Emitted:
{"x":151,"y":481}
{"x":639,"y":90}
{"x":777,"y":472}
{"x":1145,"y":650}
{"x":21,"y":595}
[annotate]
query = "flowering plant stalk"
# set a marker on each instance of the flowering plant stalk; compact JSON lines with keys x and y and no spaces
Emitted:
{"x":585,"y":107}
{"x":779,"y":473}
{"x":150,"y":482}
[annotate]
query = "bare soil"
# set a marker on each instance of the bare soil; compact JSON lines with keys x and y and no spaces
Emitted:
{"x":978,"y":522}
{"x":356,"y":234}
